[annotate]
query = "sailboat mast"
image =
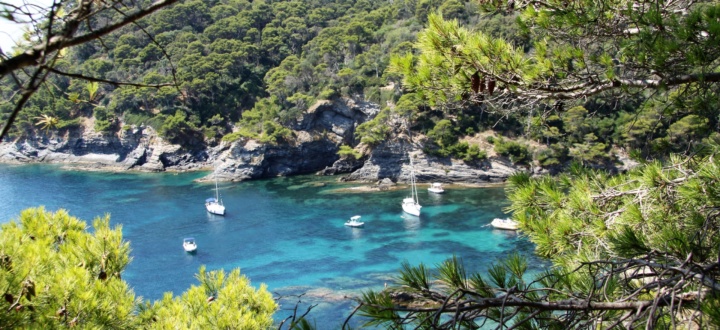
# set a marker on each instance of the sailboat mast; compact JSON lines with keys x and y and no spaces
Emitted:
{"x":413,"y":188}
{"x":217,"y":193}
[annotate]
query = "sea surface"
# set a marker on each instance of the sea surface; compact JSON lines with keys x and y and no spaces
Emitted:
{"x":285,"y":232}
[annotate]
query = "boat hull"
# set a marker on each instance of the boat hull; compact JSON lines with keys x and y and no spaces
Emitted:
{"x":215,"y":208}
{"x":354,"y":222}
{"x":410,"y":207}
{"x":436,"y":188}
{"x":189,"y":245}
{"x":506,"y":224}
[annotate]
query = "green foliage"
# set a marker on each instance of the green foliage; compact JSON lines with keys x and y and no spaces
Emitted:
{"x":596,"y":204}
{"x":616,"y":243}
{"x":461,"y":150}
{"x":66,"y":124}
{"x":347,"y":151}
{"x":232,"y":137}
{"x":219,"y":301}
{"x":56,"y":273}
{"x":104,"y":120}
{"x":590,"y":151}
{"x":517,"y":152}
{"x":473,"y":153}
{"x":223,"y":54}
{"x":414,"y":277}
{"x":444,"y":133}
{"x":47,"y":122}
{"x":550,"y":65}
{"x":376,"y":130}
{"x":687,"y":130}
{"x":555,"y":155}
{"x":274,"y":132}
{"x":140,"y":119}
{"x":176,"y":127}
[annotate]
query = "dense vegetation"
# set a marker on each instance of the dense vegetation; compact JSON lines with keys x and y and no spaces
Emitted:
{"x":257,"y":64}
{"x":56,"y":273}
{"x":556,"y":81}
{"x":633,"y":250}
{"x":636,"y":250}
{"x":254,"y":67}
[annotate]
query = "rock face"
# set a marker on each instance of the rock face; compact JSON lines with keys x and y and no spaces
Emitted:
{"x":389,"y":160}
{"x":317,"y":137}
{"x":138,"y":148}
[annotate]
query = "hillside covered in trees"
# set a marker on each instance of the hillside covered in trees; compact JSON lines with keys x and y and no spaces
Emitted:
{"x":560,"y":83}
{"x":223,"y":70}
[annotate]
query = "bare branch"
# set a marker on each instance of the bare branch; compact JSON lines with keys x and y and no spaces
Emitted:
{"x":67,"y":38}
{"x":105,"y":81}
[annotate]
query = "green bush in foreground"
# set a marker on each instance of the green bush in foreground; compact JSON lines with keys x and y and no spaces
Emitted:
{"x":54,"y":273}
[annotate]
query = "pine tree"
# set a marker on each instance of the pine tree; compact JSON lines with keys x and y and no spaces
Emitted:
{"x":55,"y":273}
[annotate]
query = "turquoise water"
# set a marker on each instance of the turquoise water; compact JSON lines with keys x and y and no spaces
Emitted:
{"x":285,"y":232}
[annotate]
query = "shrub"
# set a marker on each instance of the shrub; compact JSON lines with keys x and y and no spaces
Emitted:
{"x":347,"y":151}
{"x":328,"y":94}
{"x":274,"y":132}
{"x":68,"y":123}
{"x":376,"y":130}
{"x":232,"y":137}
{"x":517,"y":152}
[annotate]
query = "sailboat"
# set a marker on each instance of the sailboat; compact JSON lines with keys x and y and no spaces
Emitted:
{"x":214,"y":205}
{"x":410,"y":204}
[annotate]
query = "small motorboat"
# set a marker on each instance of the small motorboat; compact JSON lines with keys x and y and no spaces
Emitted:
{"x":436,"y":187}
{"x":354,"y":222}
{"x":507,"y":224}
{"x":189,"y":244}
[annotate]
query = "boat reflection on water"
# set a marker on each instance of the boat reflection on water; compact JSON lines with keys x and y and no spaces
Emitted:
{"x":506,"y":233}
{"x":356,"y":232}
{"x":411,"y":223}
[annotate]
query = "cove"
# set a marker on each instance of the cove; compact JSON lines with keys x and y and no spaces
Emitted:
{"x":285,"y":232}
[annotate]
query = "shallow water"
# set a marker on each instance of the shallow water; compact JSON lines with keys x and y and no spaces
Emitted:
{"x":285,"y":232}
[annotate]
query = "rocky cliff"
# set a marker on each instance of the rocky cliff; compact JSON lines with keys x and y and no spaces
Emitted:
{"x":318,"y":136}
{"x":137,"y":148}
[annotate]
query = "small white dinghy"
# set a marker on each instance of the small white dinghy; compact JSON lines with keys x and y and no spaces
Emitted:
{"x":436,"y":187}
{"x":354,"y":222}
{"x":507,"y":224}
{"x":189,"y":244}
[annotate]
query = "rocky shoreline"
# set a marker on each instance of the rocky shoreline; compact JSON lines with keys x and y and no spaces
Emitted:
{"x":317,"y":138}
{"x":248,"y":160}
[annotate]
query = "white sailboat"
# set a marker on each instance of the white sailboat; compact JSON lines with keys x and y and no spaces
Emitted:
{"x":410,"y":204}
{"x":214,"y":205}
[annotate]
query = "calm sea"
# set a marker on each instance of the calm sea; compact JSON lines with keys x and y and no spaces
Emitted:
{"x":286,"y":232}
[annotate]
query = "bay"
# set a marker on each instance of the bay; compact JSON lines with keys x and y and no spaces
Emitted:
{"x":288,"y":233}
